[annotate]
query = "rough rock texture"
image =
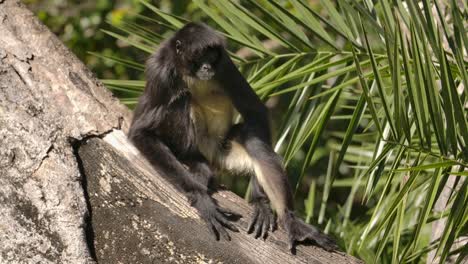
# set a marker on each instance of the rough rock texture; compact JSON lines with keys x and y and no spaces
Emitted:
{"x":72,"y":188}
{"x":48,"y":99}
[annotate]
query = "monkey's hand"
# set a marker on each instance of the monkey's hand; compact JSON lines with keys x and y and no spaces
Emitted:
{"x":215,"y":217}
{"x":299,"y":231}
{"x":262,"y":220}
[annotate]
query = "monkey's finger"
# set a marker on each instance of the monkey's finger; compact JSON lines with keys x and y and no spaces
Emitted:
{"x":226,"y":223}
{"x":273,"y":225}
{"x":259,"y":225}
{"x":250,"y":229}
{"x":266,"y":225}
{"x":212,"y":230}
{"x":221,"y":230}
{"x":291,"y":244}
{"x":324,"y":241}
{"x":228,"y":212}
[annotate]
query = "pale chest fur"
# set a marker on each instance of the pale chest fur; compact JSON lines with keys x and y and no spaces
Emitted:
{"x":212,"y":113}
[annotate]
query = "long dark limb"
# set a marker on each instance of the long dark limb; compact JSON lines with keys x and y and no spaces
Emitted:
{"x":254,"y":113}
{"x":162,"y":158}
{"x":191,"y":179}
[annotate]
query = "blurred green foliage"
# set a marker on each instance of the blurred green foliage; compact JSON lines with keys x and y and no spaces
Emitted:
{"x":79,"y":25}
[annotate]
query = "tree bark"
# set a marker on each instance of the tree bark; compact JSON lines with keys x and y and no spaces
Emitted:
{"x":74,"y":190}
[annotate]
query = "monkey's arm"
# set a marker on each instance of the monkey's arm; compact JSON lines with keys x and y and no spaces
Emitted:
{"x":162,"y":158}
{"x":245,"y":100}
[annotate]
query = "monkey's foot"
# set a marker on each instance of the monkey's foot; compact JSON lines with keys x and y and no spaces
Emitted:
{"x":263,"y":219}
{"x":298,"y":231}
{"x":215,"y":217}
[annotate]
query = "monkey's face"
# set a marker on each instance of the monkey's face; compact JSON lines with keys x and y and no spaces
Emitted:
{"x":203,"y":65}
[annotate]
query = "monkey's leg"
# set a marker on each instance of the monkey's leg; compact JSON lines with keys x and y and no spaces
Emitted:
{"x":273,"y":179}
{"x":194,"y":186}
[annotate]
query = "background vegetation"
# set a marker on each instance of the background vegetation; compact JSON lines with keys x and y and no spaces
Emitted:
{"x":368,"y":100}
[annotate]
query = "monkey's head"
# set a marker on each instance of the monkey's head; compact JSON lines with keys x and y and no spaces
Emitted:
{"x":198,"y":50}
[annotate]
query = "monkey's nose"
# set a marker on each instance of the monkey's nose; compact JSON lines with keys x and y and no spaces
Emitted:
{"x":206,"y":67}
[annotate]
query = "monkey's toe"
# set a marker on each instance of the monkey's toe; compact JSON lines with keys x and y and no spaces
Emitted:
{"x":217,"y":219}
{"x":263,"y":220}
{"x":298,"y":231}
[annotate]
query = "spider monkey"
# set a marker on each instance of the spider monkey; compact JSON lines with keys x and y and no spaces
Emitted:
{"x":184,"y":125}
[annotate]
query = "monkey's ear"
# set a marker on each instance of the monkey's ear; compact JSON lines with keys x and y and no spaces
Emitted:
{"x":178,"y":46}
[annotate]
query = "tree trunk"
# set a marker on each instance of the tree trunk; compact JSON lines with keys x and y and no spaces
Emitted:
{"x":74,"y":190}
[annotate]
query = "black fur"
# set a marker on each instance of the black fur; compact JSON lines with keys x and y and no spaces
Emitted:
{"x":164,"y":131}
